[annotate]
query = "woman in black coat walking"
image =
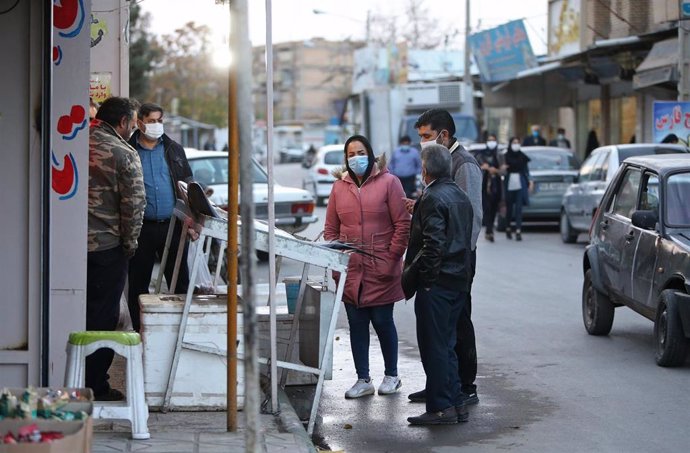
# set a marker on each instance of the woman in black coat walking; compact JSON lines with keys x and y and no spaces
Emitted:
{"x":517,"y":186}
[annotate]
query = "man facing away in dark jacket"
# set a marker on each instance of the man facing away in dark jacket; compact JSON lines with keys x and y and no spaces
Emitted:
{"x":438,"y":268}
{"x":164,"y":164}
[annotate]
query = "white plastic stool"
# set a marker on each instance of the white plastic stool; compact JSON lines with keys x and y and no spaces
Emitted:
{"x":128,"y":345}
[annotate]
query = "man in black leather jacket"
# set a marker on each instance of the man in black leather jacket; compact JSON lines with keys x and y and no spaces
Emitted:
{"x":438,"y":269}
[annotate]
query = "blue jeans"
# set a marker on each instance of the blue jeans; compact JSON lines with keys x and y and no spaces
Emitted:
{"x":381,"y":317}
{"x":437,"y":312}
{"x":514,"y":203}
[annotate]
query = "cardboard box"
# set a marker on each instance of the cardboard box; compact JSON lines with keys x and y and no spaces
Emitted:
{"x":77,"y":436}
{"x":78,"y":433}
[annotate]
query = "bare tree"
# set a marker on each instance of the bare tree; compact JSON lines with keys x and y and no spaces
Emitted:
{"x":417,"y":26}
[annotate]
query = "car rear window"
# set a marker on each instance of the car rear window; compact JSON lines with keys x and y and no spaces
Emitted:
{"x":214,"y":170}
{"x":624,"y":153}
{"x":552,"y":160}
{"x":678,"y":189}
{"x":334,"y":158}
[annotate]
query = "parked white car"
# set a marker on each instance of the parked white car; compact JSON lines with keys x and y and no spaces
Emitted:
{"x":583,"y":196}
{"x":294,"y":207}
{"x":319,"y":180}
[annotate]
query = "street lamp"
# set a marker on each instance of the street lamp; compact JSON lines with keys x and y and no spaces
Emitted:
{"x":367,"y":22}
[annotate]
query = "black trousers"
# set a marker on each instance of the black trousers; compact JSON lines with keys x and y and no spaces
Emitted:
{"x":106,"y":272}
{"x":490,"y":207}
{"x":409,"y":184}
{"x":151,"y":246}
{"x":437,"y":311}
{"x":466,"y":346}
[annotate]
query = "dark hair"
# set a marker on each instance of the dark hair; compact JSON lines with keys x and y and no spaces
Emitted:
{"x":370,"y":153}
{"x":149,"y":107}
{"x":436,"y":160}
{"x":115,"y":108}
{"x":670,"y":138}
{"x":510,"y":142}
{"x":437,"y":119}
{"x":561,"y":130}
{"x":490,"y":134}
{"x":405,"y":139}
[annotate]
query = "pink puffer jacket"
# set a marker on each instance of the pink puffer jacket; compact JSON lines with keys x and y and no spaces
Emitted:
{"x":374,"y":218}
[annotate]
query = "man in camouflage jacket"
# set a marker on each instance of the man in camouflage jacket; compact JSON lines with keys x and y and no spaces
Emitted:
{"x":116,"y":209}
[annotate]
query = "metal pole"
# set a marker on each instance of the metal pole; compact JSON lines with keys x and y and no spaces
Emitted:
{"x":239,"y":30}
{"x":683,"y":50}
{"x":467,"y":77}
{"x":46,"y":168}
{"x":233,"y":199}
{"x":271,"y":209}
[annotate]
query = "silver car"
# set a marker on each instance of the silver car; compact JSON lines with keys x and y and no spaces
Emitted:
{"x":582,"y":197}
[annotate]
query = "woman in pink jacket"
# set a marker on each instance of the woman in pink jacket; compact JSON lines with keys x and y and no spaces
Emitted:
{"x":366,"y":208}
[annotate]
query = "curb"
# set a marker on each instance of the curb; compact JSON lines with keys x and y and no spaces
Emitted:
{"x":291,"y":422}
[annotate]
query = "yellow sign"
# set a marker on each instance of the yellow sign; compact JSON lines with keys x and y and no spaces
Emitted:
{"x":100,"y":86}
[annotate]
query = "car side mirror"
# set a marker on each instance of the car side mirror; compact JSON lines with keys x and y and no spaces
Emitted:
{"x":646,"y":220}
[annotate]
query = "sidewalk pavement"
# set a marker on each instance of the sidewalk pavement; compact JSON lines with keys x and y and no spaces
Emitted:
{"x":204,"y":432}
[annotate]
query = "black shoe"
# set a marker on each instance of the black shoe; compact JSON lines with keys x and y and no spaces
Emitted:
{"x":518,"y":236}
{"x":489,"y":237}
{"x":469,"y":398}
{"x":110,"y":395}
{"x":509,"y":234}
{"x":418,"y":397}
{"x":445,"y":417}
{"x":463,"y":414}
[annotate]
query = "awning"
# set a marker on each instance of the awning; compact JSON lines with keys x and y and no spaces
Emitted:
{"x":660,"y":65}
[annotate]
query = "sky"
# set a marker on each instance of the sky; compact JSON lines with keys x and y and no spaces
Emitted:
{"x":294,"y":19}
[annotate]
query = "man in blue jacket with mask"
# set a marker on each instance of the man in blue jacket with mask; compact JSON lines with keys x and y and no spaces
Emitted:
{"x":406,"y":165}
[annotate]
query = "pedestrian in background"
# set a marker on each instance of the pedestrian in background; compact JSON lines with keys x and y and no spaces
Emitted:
{"x":535,"y":139}
{"x":438,"y":270}
{"x":406,"y":165}
{"x":164,"y":164}
{"x":492,"y":186}
{"x":560,"y":141}
{"x":436,"y":126}
{"x":116,"y":208}
{"x":366,"y":208}
{"x":671,"y":139}
{"x":517,"y":185}
{"x":592,"y":143}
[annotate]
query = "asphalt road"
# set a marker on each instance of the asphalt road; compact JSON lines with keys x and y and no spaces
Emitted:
{"x":544,"y":384}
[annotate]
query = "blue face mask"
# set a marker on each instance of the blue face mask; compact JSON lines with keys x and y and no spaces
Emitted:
{"x":358,"y":164}
{"x":535,"y":133}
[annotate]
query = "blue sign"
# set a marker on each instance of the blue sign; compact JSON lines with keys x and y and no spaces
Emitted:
{"x":685,"y":8}
{"x":671,"y":117}
{"x":502,"y":52}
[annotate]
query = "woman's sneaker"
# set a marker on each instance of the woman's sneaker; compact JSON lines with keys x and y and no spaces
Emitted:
{"x":389,"y":385}
{"x":361,"y":388}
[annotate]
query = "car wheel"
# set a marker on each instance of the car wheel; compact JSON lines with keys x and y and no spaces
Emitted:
{"x":597,"y":309}
{"x":262,"y":256}
{"x":671,"y":344}
{"x":568,"y":235}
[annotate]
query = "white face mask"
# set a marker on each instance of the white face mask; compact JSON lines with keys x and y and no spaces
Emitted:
{"x":515,"y":147}
{"x":491,"y":144}
{"x":154,"y":131}
{"x":431,"y":142}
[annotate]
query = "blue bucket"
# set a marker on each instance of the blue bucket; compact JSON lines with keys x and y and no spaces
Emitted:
{"x":292,"y":291}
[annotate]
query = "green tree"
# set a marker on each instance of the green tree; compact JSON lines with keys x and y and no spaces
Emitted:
{"x":186,"y":73}
{"x":144,"y":53}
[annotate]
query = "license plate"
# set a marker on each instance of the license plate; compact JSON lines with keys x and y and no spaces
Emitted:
{"x":553,"y":186}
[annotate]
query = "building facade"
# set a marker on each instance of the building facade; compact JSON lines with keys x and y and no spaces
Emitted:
{"x":311,"y":80}
{"x":596,"y":75}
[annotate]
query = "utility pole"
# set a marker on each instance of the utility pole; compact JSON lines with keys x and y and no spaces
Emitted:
{"x":468,"y":100}
{"x":241,"y":85}
{"x":683,"y":51}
